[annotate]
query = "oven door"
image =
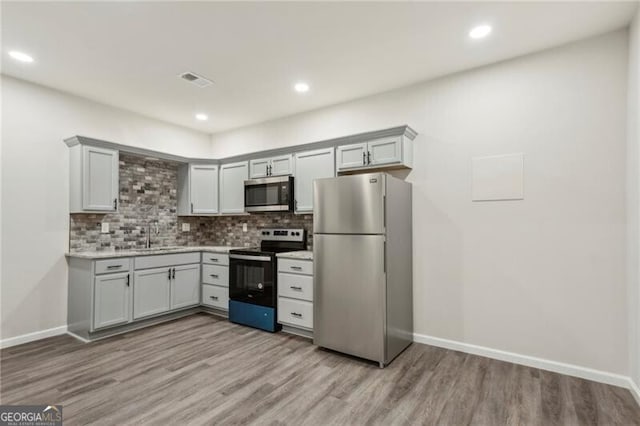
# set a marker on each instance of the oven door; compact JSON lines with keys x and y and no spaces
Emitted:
{"x":252,"y":279}
{"x":268,"y":194}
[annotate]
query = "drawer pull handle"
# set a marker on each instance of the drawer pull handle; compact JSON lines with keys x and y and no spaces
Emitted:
{"x":297,"y":315}
{"x":214,"y":297}
{"x":214,"y":275}
{"x":214,"y":259}
{"x":114,"y":266}
{"x":297,"y":268}
{"x":294,"y":287}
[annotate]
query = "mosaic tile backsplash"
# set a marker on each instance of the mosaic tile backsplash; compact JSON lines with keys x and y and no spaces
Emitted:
{"x":148,"y":200}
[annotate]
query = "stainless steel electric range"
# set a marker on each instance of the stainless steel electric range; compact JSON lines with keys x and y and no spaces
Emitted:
{"x":253,"y":286}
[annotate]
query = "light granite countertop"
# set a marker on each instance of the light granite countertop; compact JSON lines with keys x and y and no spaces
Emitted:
{"x":106,"y":254}
{"x":300,"y":255}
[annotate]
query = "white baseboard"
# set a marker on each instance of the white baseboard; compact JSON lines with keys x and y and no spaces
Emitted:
{"x":31,"y":337}
{"x":530,"y":361}
{"x":75,"y":336}
{"x":634,"y":389}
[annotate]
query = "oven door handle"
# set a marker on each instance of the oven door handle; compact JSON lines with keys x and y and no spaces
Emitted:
{"x":254,"y":258}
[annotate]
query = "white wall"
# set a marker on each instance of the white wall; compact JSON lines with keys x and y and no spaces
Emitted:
{"x":633,"y":201}
{"x":35,"y":212}
{"x":545,"y":276}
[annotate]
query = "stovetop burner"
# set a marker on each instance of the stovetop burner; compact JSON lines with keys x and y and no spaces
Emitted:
{"x":277,"y":241}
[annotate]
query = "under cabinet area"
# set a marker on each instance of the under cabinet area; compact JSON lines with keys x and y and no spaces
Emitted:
{"x":295,"y":294}
{"x":93,"y":179}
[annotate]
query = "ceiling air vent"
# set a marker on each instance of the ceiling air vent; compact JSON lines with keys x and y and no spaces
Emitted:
{"x":196,"y":79}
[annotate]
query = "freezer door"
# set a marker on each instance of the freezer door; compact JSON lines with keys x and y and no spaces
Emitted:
{"x":349,"y":294}
{"x":349,"y":204}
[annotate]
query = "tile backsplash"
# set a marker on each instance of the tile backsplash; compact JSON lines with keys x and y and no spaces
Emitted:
{"x":148,"y":197}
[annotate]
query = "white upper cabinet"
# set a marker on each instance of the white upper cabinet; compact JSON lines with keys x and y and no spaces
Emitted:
{"x":311,"y":165}
{"x":197,"y":189}
{"x":352,"y":156}
{"x":232,"y":177}
{"x":280,"y":165}
{"x":395,"y":151}
{"x":259,"y":168}
{"x":204,"y":189}
{"x":385,"y":151}
{"x":93,"y":179}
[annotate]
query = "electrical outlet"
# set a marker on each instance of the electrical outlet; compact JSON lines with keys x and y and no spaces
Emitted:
{"x":244,"y":227}
{"x":186,"y":227}
{"x":104,"y":228}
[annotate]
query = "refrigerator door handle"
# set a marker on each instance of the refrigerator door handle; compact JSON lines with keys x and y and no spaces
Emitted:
{"x":384,"y":212}
{"x":384,"y":257}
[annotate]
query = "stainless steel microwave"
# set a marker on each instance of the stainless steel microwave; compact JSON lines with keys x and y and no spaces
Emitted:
{"x":271,"y":194}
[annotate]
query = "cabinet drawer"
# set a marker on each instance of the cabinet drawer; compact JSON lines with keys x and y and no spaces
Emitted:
{"x":215,"y":258}
{"x":215,"y":274}
{"x":295,"y":286}
{"x":295,"y":266}
{"x":295,"y":312}
{"x":215,"y":296}
{"x":112,"y":265}
{"x":159,"y":261}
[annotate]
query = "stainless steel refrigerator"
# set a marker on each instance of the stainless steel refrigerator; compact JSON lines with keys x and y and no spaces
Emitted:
{"x":362,"y":250}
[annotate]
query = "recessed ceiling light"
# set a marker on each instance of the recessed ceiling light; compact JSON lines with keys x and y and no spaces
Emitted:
{"x":202,"y":117}
{"x":19,"y":56}
{"x":481,"y":31}
{"x":301,"y":87}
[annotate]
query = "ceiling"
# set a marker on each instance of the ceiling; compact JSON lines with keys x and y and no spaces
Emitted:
{"x":129,"y":54}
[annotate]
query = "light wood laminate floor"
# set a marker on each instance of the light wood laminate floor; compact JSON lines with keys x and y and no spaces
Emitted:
{"x":205,"y":370}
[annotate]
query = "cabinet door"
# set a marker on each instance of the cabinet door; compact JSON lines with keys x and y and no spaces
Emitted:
{"x":151,"y":292}
{"x":282,"y":165}
{"x":385,"y":151}
{"x":232,"y":177}
{"x":111,"y":300}
{"x":259,"y":168}
{"x":185,"y":286}
{"x":311,"y":165}
{"x":351,"y":156}
{"x":204,"y":189}
{"x":99,"y":179}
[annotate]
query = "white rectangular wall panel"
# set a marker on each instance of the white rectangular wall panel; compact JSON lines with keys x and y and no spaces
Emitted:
{"x":498,"y":177}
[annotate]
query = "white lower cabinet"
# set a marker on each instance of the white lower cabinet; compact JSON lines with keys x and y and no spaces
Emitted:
{"x":215,"y":296}
{"x":294,"y":312}
{"x":111,"y":300}
{"x":215,"y":280}
{"x":151,"y":292}
{"x":185,"y":286}
{"x":295,"y":293}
